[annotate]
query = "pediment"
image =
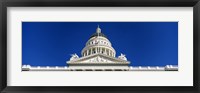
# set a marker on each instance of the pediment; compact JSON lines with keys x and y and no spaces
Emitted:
{"x":98,"y":59}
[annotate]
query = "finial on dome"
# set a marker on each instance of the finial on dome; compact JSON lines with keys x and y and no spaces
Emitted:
{"x":98,"y":29}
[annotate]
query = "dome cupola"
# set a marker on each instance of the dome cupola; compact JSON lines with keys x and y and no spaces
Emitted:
{"x":98,"y":33}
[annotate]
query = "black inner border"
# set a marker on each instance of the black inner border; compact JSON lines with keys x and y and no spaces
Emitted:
{"x":100,"y":3}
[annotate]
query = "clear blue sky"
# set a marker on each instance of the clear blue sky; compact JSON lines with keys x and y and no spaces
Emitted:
{"x":144,"y":43}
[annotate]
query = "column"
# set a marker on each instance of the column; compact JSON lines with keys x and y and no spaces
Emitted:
{"x":100,"y":50}
{"x":103,"y":50}
{"x":109,"y":52}
{"x":87,"y":52}
{"x":90,"y":51}
{"x":96,"y":50}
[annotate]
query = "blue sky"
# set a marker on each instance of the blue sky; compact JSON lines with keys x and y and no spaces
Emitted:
{"x":144,"y":43}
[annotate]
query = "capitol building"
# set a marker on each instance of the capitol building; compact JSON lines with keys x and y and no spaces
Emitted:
{"x":99,"y":55}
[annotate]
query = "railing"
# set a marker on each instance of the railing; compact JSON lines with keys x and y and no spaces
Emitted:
{"x":131,"y":68}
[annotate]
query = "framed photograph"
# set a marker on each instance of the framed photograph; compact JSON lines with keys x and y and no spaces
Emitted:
{"x":99,"y":46}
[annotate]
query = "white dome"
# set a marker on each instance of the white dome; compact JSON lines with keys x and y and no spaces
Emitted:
{"x":98,"y":43}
